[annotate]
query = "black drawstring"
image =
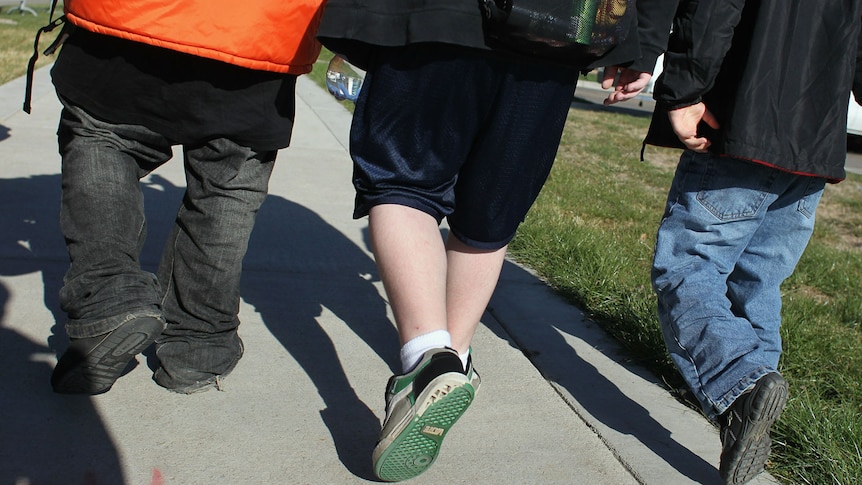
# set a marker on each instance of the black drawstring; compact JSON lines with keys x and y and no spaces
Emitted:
{"x":53,"y":24}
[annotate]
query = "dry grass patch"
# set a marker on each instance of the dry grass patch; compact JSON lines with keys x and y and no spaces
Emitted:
{"x":17,"y":34}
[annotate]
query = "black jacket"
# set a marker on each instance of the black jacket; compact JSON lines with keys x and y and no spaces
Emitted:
{"x":354,"y":28}
{"x":777,"y":74}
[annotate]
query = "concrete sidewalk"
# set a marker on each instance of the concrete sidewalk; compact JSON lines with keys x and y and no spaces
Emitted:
{"x":559,"y":402}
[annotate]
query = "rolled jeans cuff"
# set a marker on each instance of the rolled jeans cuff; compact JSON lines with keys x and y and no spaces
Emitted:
{"x":81,"y":329}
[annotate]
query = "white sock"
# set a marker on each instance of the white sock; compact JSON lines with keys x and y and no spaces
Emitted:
{"x":464,"y":357}
{"x":413,"y":351}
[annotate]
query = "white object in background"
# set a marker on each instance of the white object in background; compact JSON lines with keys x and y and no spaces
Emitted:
{"x":343,"y":79}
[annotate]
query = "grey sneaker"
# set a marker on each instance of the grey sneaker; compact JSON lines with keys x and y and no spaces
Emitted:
{"x":91,"y":365}
{"x":421,"y":407}
{"x":745,"y":441}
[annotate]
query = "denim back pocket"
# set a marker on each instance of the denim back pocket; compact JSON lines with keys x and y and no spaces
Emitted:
{"x":733,"y":189}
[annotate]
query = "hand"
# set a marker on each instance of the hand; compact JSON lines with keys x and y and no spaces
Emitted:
{"x":627,"y":83}
{"x":685,"y":121}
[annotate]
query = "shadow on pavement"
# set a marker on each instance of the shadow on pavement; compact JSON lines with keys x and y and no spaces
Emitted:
{"x":302,"y":265}
{"x":326,"y":270}
{"x":297,"y":255}
{"x":44,"y":435}
{"x":543,"y":340}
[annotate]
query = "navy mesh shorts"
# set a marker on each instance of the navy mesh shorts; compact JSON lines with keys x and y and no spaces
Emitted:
{"x":460,"y":134}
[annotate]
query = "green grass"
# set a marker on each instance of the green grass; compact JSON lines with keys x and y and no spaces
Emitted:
{"x":591,"y":234}
{"x":17,"y":34}
{"x":586,"y":237}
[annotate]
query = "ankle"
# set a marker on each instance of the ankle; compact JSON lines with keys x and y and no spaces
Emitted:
{"x":415,"y":348}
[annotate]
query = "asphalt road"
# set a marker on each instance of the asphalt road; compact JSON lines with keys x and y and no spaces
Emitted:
{"x":854,"y":154}
{"x":16,"y":3}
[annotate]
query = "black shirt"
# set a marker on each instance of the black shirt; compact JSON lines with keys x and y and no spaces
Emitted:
{"x":187,"y":99}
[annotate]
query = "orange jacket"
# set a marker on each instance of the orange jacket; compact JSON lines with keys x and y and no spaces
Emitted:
{"x":268,"y":35}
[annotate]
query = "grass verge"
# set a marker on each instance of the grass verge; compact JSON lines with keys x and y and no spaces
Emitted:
{"x":17,"y":34}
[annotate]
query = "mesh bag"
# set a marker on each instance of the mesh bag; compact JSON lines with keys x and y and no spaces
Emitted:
{"x":570,"y":30}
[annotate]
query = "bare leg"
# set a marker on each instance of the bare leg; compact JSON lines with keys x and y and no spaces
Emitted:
{"x":411,"y":259}
{"x":472,"y":277}
{"x":431,"y":286}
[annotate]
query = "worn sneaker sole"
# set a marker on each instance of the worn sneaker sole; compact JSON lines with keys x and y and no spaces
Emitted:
{"x":95,"y":372}
{"x":410,"y":451}
{"x":746,"y":458}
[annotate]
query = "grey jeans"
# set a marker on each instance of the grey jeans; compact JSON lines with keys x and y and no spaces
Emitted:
{"x":102,"y":218}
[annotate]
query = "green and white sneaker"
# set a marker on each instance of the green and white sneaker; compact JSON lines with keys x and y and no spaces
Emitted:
{"x":475,"y":380}
{"x":421,"y":407}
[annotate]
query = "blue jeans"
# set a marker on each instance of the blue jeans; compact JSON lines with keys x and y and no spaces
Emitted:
{"x":102,"y":219}
{"x":732,"y":232}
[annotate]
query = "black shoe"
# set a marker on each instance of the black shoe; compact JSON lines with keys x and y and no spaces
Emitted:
{"x":91,"y":365}
{"x":183,"y":380}
{"x":745,"y":441}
